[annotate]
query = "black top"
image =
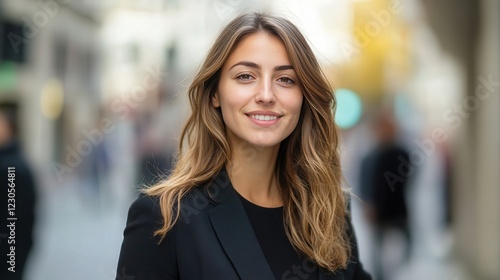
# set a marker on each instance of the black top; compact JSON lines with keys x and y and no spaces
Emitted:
{"x":269,"y":229}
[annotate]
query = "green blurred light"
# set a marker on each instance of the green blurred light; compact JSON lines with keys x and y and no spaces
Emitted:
{"x":8,"y":76}
{"x":349,"y":108}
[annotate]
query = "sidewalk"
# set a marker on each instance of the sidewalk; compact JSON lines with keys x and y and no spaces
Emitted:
{"x":74,"y":239}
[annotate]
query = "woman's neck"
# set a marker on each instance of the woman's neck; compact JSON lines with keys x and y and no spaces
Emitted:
{"x":252,"y":171}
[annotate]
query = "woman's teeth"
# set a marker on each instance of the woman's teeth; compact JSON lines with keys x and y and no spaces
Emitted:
{"x":263,"y":117}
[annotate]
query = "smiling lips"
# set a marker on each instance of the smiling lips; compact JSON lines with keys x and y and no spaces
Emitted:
{"x":264,"y":118}
{"x":264,"y":115}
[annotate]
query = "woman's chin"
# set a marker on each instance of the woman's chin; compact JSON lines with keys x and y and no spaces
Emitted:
{"x":265,"y":144}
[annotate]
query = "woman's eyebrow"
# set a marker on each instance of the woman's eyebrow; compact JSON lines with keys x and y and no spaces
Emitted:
{"x":257,"y":66}
{"x":283,"y":67}
{"x":246,"y":63}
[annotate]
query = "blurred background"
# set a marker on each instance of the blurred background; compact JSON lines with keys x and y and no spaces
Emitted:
{"x":92,"y":102}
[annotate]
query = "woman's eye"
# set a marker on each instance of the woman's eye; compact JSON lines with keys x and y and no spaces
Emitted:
{"x":244,"y":77}
{"x":286,"y":80}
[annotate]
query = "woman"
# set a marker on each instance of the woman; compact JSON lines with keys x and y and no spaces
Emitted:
{"x":256,"y":189}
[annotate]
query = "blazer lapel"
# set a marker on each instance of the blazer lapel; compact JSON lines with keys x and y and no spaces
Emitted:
{"x":236,"y":235}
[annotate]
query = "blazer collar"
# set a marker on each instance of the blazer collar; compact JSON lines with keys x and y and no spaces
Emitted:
{"x":219,"y":188}
{"x":236,"y":235}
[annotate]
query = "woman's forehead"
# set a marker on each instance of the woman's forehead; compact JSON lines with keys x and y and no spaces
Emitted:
{"x":262,"y":48}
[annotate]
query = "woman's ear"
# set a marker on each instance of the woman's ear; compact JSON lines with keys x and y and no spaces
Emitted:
{"x":215,"y":100}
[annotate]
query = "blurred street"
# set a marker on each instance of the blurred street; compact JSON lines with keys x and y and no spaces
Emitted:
{"x":75,"y":239}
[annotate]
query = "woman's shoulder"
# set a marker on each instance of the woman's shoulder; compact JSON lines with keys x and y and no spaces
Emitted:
{"x":145,"y":254}
{"x":144,"y":210}
{"x":146,"y":202}
{"x":195,"y":201}
{"x":197,"y":198}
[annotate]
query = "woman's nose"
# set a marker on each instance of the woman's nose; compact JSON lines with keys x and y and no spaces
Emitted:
{"x":265,"y":93}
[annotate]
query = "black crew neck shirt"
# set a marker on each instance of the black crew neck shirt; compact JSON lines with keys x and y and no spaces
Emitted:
{"x":269,"y":229}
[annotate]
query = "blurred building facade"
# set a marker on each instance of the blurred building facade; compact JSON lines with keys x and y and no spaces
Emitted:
{"x":476,"y":151}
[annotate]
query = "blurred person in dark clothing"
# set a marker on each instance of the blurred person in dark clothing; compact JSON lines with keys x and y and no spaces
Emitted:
{"x":25,"y":197}
{"x":383,"y":179}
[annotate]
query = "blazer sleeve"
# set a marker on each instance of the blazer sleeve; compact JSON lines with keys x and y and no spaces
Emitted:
{"x":142,"y":257}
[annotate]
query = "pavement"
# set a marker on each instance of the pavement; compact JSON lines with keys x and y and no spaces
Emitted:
{"x":77,"y":237}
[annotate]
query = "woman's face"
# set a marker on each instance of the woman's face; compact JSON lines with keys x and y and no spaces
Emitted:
{"x":259,"y":93}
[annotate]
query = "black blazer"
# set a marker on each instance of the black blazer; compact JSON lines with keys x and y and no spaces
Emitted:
{"x":213,"y":240}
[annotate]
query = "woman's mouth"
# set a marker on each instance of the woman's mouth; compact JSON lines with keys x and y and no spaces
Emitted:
{"x":263,"y":117}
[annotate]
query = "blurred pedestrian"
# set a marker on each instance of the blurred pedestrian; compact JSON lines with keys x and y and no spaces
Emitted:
{"x":384,"y":181}
{"x":25,"y":196}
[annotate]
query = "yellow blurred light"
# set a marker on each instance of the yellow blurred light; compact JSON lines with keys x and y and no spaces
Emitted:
{"x":51,"y":99}
{"x":379,"y":57}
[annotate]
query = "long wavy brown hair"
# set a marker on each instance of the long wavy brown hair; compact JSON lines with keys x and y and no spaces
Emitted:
{"x":308,"y":167}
